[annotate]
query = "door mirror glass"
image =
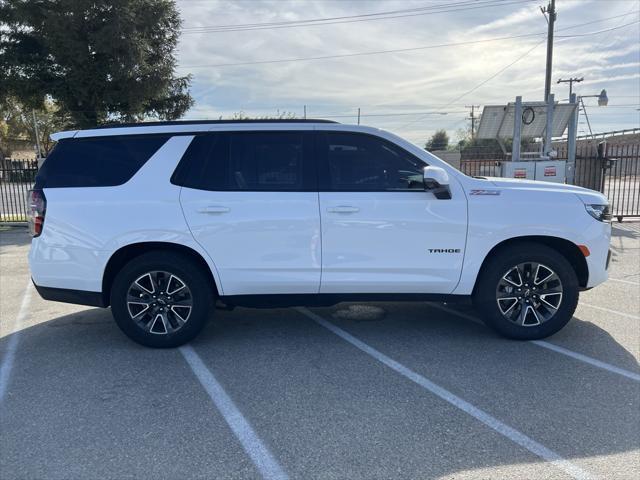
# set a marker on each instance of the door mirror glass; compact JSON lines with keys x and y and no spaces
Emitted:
{"x":436,"y":181}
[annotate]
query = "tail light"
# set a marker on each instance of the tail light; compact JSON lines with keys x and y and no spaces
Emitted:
{"x":37,"y":211}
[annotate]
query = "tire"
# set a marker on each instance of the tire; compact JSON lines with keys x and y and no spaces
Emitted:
{"x":539,"y":309}
{"x":181,"y":306}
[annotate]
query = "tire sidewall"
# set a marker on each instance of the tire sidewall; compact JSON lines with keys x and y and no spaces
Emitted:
{"x":184,"y":268}
{"x":485,"y":295}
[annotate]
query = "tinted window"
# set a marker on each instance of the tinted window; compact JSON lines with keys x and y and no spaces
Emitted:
{"x":253,"y":161}
{"x":205,"y":164}
{"x":360,"y":162}
{"x":97,"y":162}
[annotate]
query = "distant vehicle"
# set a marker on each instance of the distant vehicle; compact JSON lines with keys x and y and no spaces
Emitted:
{"x":162,"y":220}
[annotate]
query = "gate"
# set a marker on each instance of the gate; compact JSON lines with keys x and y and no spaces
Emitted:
{"x":620,"y":180}
{"x":613,"y":169}
{"x":16,"y":179}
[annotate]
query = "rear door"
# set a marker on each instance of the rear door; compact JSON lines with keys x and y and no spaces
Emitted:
{"x":381,"y":231}
{"x":250,"y":199}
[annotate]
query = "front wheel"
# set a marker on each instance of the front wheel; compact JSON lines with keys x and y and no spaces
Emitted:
{"x":161,"y":299}
{"x":527,"y":291}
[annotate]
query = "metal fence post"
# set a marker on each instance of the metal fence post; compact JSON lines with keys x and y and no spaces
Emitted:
{"x":517,"y":128}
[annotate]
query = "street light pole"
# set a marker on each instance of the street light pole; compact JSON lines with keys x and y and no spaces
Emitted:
{"x":603,"y":101}
{"x":36,"y":133}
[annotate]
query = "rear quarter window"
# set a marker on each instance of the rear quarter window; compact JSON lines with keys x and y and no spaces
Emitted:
{"x":97,"y":162}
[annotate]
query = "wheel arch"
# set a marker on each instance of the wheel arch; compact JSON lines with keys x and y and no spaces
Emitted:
{"x":565,"y":247}
{"x":128,"y":252}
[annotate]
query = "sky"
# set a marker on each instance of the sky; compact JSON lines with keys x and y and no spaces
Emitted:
{"x":417,"y":91}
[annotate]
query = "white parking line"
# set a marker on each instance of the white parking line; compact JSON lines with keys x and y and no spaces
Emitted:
{"x":263,"y":460}
{"x":586,"y":359}
{"x":609,"y":310}
{"x":502,"y":428}
{"x":12,"y":344}
{"x":551,"y":346}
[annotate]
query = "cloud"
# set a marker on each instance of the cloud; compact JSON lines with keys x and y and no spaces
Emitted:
{"x":524,"y":15}
{"x":418,"y":81}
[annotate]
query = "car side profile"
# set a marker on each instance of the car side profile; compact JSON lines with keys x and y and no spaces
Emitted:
{"x":163,"y":221}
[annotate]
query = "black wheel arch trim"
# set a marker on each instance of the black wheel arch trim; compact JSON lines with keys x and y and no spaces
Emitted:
{"x":125,"y":254}
{"x":563,"y":246}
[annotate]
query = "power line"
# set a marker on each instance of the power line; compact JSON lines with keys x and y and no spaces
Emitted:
{"x":434,"y":9}
{"x":509,"y":66}
{"x":486,"y":80}
{"x":344,"y":17}
{"x":403,"y":50}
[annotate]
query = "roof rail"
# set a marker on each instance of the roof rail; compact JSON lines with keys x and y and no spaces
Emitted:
{"x":205,"y":122}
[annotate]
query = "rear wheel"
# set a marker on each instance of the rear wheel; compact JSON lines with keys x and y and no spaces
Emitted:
{"x":527,"y":291}
{"x":161,"y":299}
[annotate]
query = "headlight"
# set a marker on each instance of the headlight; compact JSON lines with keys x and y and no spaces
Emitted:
{"x":599,"y":212}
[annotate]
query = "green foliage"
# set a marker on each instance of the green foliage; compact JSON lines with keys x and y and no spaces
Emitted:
{"x":439,"y":141}
{"x":100,"y":60}
{"x":284,"y":115}
{"x":17,"y":123}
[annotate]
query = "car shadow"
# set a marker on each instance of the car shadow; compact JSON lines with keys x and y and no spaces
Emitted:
{"x":87,"y":349}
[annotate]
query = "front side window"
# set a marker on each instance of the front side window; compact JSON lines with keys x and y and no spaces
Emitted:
{"x":361,"y":162}
{"x":250,"y":161}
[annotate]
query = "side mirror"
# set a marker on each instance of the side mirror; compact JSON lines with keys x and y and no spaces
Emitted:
{"x":436,"y":180}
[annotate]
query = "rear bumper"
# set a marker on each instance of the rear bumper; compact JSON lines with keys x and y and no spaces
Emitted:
{"x":65,"y":295}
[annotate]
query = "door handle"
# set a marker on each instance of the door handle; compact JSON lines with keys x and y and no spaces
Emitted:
{"x":343,"y":209}
{"x":212,"y":209}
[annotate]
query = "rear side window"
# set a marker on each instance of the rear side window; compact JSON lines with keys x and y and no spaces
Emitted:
{"x":248,"y":161}
{"x":97,"y":162}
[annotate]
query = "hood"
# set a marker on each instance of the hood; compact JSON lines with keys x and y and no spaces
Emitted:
{"x":586,"y":195}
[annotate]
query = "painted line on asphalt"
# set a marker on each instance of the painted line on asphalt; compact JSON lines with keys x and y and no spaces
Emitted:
{"x":624,"y":281}
{"x":490,"y":421}
{"x":262,"y":458}
{"x":12,"y":344}
{"x":609,"y":310}
{"x":556,"y":348}
{"x":586,"y":359}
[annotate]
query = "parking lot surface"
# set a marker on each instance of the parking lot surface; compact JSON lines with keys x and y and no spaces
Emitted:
{"x":376,"y":391}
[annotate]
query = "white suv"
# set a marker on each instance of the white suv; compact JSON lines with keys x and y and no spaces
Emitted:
{"x":162,"y":220}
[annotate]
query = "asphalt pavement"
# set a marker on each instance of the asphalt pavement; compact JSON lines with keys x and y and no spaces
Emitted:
{"x":357,"y":391}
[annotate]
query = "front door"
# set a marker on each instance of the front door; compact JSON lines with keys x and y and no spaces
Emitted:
{"x":381,"y":231}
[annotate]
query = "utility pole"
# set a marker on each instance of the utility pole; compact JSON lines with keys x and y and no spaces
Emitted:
{"x":550,"y":9}
{"x":472,"y":118}
{"x":358,"y":115}
{"x":570,"y":82}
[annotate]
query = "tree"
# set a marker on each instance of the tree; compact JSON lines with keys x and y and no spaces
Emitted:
{"x":284,"y":115}
{"x":17,"y":124}
{"x":439,"y":141}
{"x":104,"y":60}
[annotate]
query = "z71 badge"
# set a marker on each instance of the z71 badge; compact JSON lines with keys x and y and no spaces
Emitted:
{"x":484,"y":192}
